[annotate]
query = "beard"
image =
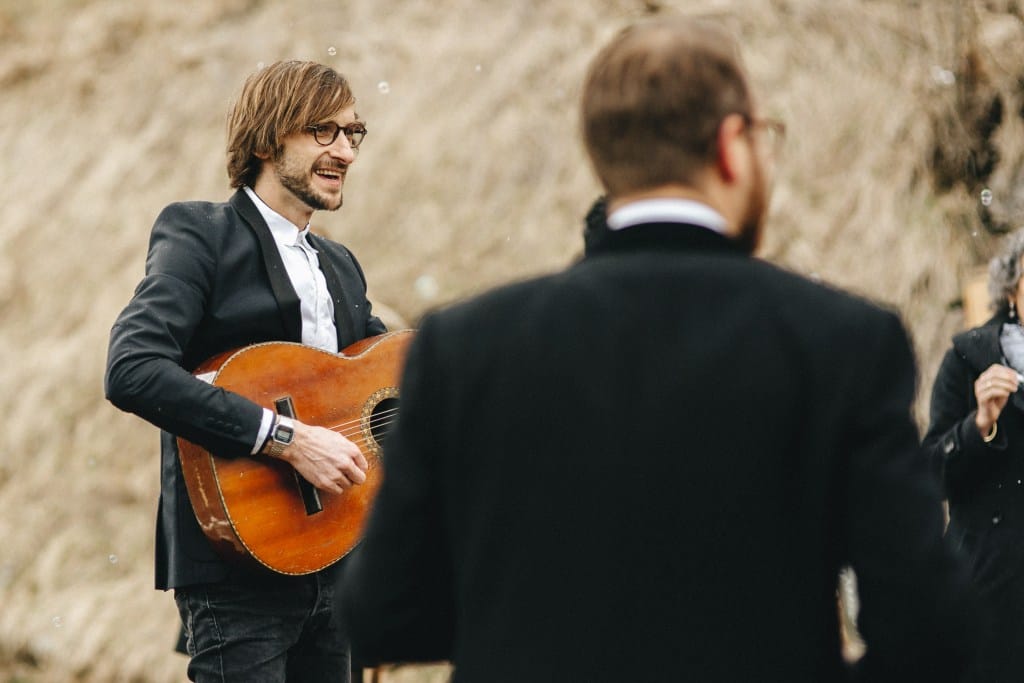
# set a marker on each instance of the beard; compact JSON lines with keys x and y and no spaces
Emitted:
{"x":751,"y":226}
{"x":298,"y":181}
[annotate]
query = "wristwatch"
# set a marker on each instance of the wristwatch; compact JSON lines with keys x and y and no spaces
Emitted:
{"x":281,"y":434}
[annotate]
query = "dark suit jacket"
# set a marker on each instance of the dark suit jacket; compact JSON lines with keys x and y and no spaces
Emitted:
{"x":651,"y":467}
{"x":214,"y":281}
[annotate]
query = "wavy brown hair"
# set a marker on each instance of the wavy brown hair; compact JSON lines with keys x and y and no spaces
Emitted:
{"x":653,"y":100}
{"x":276,"y":101}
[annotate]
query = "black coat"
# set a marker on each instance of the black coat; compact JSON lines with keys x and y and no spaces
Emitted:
{"x":214,"y":281}
{"x":985,"y":488}
{"x":651,"y":467}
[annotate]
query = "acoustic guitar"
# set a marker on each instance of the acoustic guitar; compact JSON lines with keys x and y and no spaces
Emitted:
{"x":258,"y":510}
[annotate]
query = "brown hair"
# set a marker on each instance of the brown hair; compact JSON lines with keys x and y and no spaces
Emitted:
{"x":653,"y":100}
{"x":276,"y":101}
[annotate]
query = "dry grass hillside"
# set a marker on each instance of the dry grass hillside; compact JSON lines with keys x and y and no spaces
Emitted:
{"x":900,"y":114}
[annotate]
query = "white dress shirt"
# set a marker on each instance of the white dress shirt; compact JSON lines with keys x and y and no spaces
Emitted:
{"x":316,"y":305}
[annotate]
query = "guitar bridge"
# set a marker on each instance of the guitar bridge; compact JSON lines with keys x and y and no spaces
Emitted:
{"x":310,"y":496}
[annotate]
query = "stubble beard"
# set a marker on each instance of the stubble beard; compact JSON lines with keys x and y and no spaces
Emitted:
{"x":298,"y":182}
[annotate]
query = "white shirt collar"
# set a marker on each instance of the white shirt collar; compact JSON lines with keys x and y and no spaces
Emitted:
{"x":284,"y":231}
{"x":667,"y":211}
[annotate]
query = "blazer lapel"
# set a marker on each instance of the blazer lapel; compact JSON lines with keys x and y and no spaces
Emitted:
{"x":280,"y":283}
{"x":342,"y":313}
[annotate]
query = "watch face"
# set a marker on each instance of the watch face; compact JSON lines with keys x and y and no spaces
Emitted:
{"x":284,"y":434}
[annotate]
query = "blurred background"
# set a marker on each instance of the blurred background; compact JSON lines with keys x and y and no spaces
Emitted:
{"x":901,"y":172}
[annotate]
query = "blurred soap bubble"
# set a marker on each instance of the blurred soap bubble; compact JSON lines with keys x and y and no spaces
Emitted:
{"x":943,"y":76}
{"x":478,"y":68}
{"x":426,"y":286}
{"x":112,"y":559}
{"x":986,"y":197}
{"x":57,"y":622}
{"x":331,"y":51}
{"x":384,"y":87}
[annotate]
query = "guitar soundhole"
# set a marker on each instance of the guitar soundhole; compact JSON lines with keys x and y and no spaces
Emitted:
{"x":382,"y":419}
{"x":379,"y":415}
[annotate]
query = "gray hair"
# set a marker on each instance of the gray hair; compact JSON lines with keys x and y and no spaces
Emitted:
{"x":1004,"y":272}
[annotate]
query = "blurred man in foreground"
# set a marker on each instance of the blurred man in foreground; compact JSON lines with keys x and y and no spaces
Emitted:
{"x":653,"y":465}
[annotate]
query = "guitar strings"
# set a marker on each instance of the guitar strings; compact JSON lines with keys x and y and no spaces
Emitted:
{"x":384,"y":414}
{"x":356,"y":435}
{"x":362,"y":441}
{"x":354,"y":428}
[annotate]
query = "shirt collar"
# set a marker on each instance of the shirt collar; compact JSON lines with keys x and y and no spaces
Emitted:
{"x":667,"y":211}
{"x":284,"y":231}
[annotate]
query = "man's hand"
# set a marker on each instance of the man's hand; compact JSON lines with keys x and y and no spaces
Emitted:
{"x":325,"y":459}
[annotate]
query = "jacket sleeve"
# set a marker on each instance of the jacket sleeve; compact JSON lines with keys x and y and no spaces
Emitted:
{"x":144,"y":372}
{"x":952,"y":440}
{"x":915,"y":605}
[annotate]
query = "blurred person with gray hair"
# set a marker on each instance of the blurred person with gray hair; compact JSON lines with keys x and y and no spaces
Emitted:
{"x":652,"y":466}
{"x":976,"y":439}
{"x":222,"y":276}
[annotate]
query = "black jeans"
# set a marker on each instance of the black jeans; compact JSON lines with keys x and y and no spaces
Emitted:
{"x":271,"y":631}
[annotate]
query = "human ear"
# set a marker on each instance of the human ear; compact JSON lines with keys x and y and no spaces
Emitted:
{"x":733,"y":148}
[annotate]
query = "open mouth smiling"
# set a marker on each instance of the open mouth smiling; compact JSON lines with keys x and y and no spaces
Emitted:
{"x":331,"y":174}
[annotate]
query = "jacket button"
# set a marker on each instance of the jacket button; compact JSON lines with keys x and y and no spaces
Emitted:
{"x":997,"y":518}
{"x":947,"y":446}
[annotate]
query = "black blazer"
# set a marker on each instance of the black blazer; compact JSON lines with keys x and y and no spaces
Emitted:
{"x":651,"y":467}
{"x":214,"y":281}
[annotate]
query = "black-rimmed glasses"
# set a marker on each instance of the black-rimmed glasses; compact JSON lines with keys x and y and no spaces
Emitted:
{"x":326,"y":133}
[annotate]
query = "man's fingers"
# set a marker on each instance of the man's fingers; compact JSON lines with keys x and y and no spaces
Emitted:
{"x":361,"y":461}
{"x":355,"y":475}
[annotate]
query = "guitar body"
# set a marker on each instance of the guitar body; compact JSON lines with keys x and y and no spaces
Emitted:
{"x":257,"y":510}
